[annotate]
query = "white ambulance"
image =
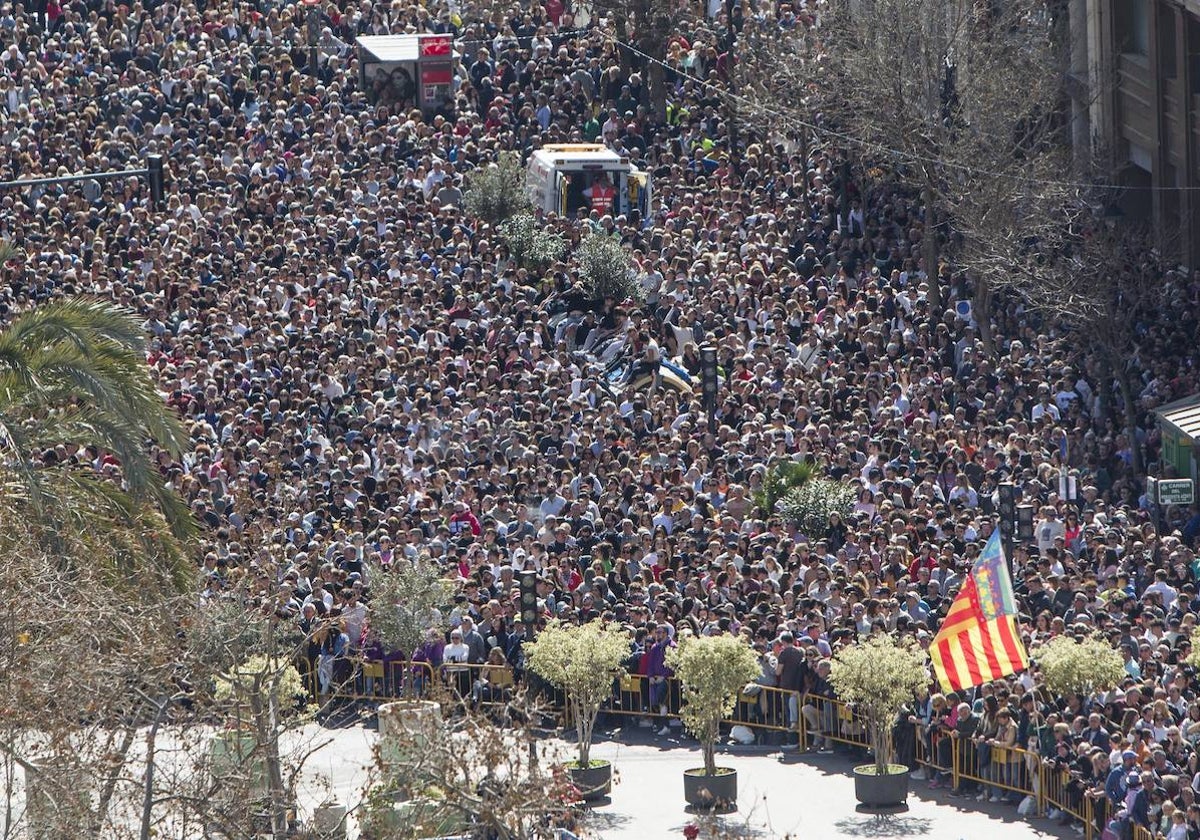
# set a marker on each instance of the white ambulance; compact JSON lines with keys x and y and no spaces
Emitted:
{"x":569,"y":178}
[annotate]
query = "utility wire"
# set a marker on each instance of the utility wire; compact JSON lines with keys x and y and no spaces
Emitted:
{"x":792,"y":119}
{"x":239,"y":49}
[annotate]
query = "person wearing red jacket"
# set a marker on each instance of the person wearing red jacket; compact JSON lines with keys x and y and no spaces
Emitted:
{"x":925,"y":559}
{"x":464,"y":519}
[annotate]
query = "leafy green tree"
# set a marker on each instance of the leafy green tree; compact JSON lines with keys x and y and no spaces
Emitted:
{"x":782,"y":479}
{"x":496,"y":193}
{"x":404,"y":600}
{"x":582,"y":660}
{"x":606,"y":269}
{"x":532,"y":246}
{"x":877,"y":677}
{"x":713,"y":669}
{"x":811,"y":504}
{"x":1079,"y":667}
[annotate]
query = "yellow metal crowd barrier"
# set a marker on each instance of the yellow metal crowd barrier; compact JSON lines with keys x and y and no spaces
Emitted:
{"x":826,"y":720}
{"x":364,"y":680}
{"x":820,"y":722}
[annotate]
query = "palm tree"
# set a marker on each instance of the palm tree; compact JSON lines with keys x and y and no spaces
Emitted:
{"x":73,"y":373}
{"x":780,"y":480}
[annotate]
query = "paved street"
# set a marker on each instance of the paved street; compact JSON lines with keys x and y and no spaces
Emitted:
{"x":780,"y":795}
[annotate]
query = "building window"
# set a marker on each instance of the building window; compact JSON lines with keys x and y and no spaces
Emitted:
{"x":1131,"y":26}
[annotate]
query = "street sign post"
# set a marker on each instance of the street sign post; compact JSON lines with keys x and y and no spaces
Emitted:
{"x":1175,"y":491}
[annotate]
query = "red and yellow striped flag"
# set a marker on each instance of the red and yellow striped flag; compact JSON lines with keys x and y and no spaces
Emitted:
{"x":978,"y":642}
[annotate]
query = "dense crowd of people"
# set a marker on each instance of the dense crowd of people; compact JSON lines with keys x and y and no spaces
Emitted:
{"x":369,"y":378}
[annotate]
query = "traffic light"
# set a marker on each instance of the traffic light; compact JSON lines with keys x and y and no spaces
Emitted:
{"x":528,"y":594}
{"x":1025,"y":523}
{"x":708,"y":378}
{"x":1008,"y":514}
{"x":154,"y":173}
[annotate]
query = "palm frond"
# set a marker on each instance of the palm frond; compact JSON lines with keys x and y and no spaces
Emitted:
{"x":89,"y":512}
{"x":78,"y":322}
{"x":74,"y":372}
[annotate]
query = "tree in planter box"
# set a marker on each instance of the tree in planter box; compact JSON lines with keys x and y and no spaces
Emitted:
{"x":582,"y":660}
{"x":1080,"y":667}
{"x":712,"y":669}
{"x":877,"y":677}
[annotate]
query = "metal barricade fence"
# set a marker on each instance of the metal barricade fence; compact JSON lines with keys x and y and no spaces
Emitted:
{"x":1053,"y":789}
{"x":479,"y":684}
{"x":369,"y":680}
{"x":1140,"y":832}
{"x":820,"y":721}
{"x":923,"y":755}
{"x":763,"y":707}
{"x":630,"y":696}
{"x":826,"y":720}
{"x":998,"y":771}
{"x":1060,"y":791}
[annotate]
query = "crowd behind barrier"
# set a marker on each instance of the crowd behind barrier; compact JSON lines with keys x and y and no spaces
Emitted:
{"x":370,"y":377}
{"x":1027,"y":779}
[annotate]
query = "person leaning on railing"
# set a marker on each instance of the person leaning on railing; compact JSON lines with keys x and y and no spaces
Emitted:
{"x":1094,"y":790}
{"x":959,"y":739}
{"x":984,"y":733}
{"x":943,"y":716}
{"x":1004,"y":754}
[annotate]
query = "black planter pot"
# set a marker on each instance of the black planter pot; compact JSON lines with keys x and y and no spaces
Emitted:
{"x":593,"y":782}
{"x":884,"y":791}
{"x":710,"y":793}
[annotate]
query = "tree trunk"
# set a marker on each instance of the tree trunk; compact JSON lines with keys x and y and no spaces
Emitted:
{"x":624,"y":57}
{"x":929,"y":252}
{"x":710,"y":752}
{"x":148,"y":785}
{"x":880,"y":733}
{"x":584,"y":734}
{"x":110,"y":783}
{"x":982,"y":309}
{"x":1130,"y":419}
{"x":656,"y":79}
{"x":267,"y":735}
{"x":1104,"y":390}
{"x":804,"y":177}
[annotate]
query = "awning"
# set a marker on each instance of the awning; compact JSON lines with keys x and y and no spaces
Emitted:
{"x":1184,"y":415}
{"x":388,"y":49}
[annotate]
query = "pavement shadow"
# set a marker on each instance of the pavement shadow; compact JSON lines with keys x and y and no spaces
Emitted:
{"x":884,"y":825}
{"x":727,"y":827}
{"x":841,"y":763}
{"x":599,"y":821}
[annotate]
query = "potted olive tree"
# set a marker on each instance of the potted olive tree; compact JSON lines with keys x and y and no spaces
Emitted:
{"x":1081,"y":667}
{"x":712,"y":669}
{"x":582,"y":660}
{"x":877,"y":677}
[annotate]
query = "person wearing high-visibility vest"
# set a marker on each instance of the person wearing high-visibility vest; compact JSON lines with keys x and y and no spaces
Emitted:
{"x":601,"y":194}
